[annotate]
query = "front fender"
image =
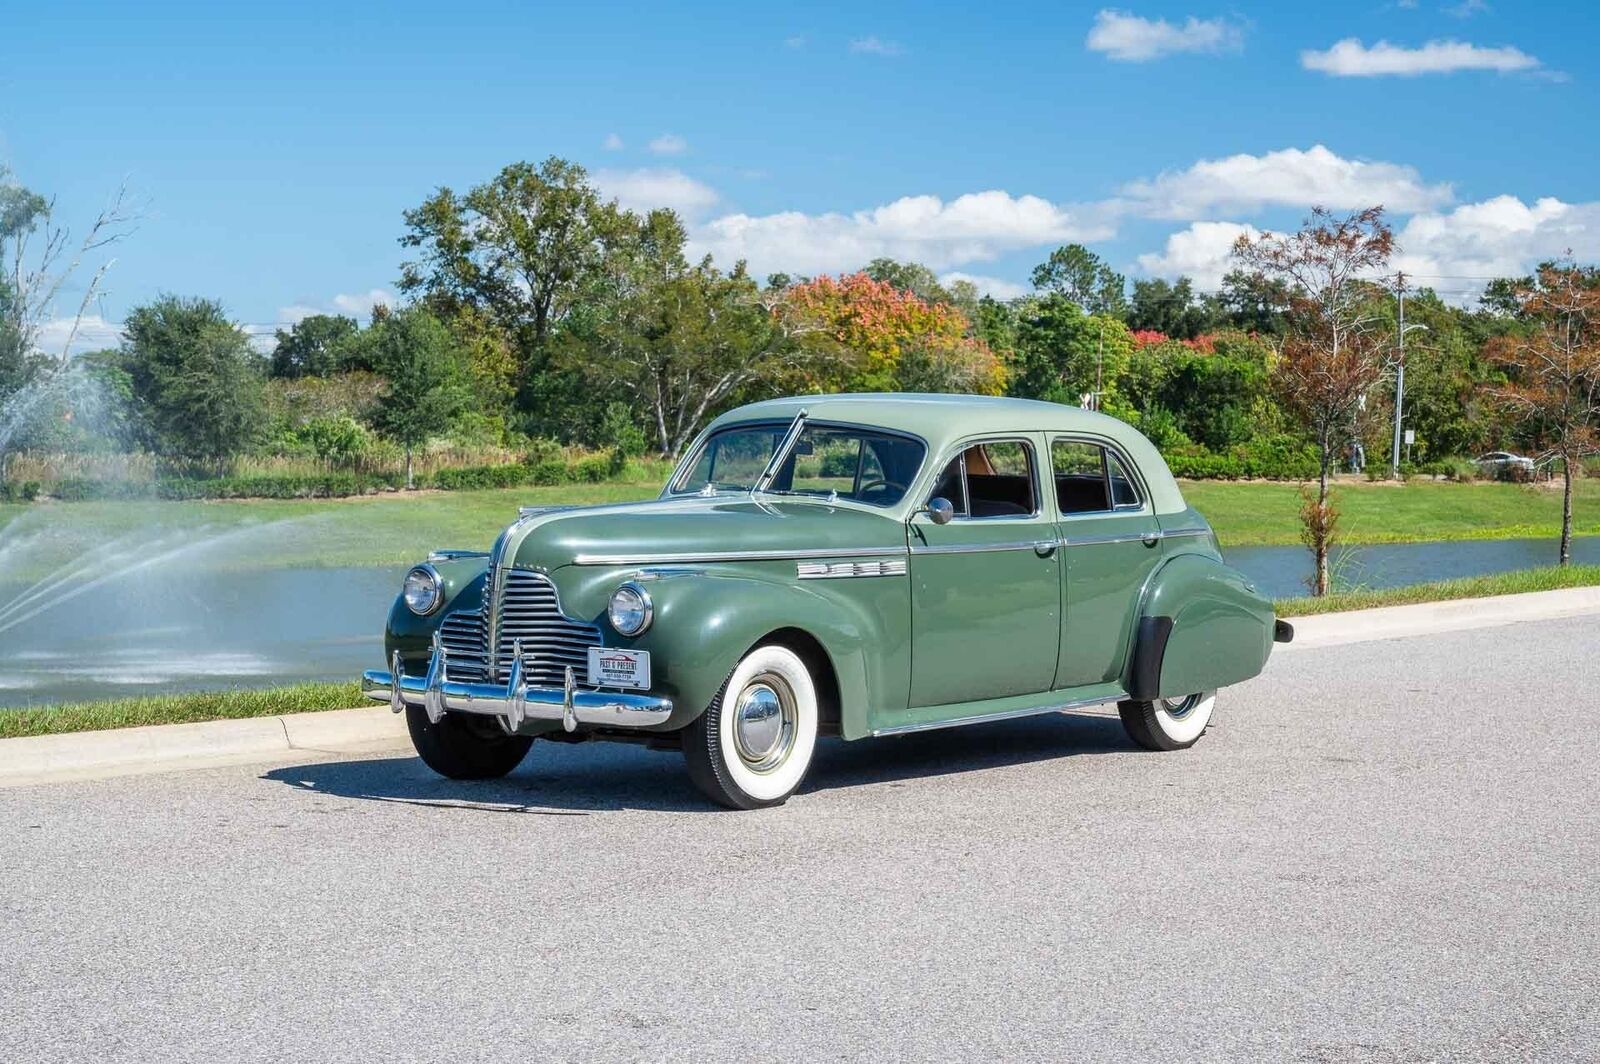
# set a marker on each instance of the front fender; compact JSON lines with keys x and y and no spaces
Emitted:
{"x":706,"y":619}
{"x":1201,"y":626}
{"x":410,"y":634}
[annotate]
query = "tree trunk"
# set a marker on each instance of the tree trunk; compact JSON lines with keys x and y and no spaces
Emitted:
{"x":1571,"y":464}
{"x":1319,"y":537}
{"x":410,"y":483}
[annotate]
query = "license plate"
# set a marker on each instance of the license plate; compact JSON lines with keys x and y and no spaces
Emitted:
{"x":611,"y":667}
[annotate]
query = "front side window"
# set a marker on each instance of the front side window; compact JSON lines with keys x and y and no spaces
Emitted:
{"x":993,"y":479}
{"x":1091,"y":479}
{"x":828,"y":461}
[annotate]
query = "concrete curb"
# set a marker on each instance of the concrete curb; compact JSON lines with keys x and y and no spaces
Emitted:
{"x":172,"y":747}
{"x":1432,"y":618}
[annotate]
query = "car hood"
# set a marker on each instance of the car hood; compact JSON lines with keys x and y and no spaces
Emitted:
{"x":691,"y":529}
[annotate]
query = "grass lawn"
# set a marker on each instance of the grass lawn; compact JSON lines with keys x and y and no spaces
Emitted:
{"x":178,"y":709}
{"x":396,"y":529}
{"x":1260,"y":513}
{"x":1513,"y":583}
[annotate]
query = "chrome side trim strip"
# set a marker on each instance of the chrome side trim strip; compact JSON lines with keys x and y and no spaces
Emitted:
{"x":1121,"y":537}
{"x":846,"y":570}
{"x":1082,"y":703}
{"x":1175,"y":533}
{"x":976,"y":548}
{"x":737,"y":556}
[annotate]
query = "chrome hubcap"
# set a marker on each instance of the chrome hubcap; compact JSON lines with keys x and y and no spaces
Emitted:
{"x":764,"y":723}
{"x":1178,"y":708}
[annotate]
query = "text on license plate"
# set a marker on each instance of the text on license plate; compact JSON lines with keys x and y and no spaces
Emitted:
{"x":612,"y":667}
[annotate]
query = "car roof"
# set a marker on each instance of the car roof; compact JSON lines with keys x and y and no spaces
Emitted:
{"x":943,"y":419}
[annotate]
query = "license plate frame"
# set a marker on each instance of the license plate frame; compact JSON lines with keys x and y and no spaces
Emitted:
{"x":620,"y":668}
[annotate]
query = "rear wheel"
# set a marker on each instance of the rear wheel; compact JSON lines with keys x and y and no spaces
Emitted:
{"x":753,"y":744}
{"x":1168,"y":723}
{"x":464,"y":749}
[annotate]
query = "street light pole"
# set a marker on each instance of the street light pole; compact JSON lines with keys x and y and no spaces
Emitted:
{"x":1399,"y":375}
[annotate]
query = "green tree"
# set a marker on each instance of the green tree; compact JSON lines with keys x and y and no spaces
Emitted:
{"x":1082,"y":277}
{"x":195,"y":381}
{"x":524,"y":250}
{"x":318,"y":346}
{"x":20,"y":212}
{"x":1063,"y":354}
{"x":1171,"y":308}
{"x":910,"y":277}
{"x":419,"y":358}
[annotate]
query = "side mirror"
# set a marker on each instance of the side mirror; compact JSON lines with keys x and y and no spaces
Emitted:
{"x":939,"y":510}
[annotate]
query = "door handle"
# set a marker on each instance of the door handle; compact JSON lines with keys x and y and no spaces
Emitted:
{"x":1150,"y":539}
{"x":1044,"y":548}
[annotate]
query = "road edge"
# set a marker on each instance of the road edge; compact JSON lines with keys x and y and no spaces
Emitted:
{"x":209,"y":744}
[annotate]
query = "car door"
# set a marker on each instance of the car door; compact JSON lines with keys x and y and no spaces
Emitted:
{"x":985,"y":587}
{"x":1110,"y":542}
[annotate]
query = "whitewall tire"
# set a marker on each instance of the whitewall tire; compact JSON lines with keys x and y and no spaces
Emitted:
{"x":752,"y":746}
{"x":1168,"y":723}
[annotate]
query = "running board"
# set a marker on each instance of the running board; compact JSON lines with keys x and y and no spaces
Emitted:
{"x":1007,"y":714}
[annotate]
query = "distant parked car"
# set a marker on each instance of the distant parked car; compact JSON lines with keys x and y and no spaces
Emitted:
{"x":1503,"y":465}
{"x":854,"y":565}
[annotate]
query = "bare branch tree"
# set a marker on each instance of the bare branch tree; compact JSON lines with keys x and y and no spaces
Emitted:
{"x":37,"y":281}
{"x":1333,"y":354}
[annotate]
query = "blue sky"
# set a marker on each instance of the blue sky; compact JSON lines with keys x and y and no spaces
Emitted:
{"x":275,"y":146}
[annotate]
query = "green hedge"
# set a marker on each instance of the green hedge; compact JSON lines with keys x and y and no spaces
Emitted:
{"x":589,"y":470}
{"x":1246,"y":462}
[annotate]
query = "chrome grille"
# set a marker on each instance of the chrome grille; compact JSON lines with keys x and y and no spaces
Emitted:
{"x":530,"y":611}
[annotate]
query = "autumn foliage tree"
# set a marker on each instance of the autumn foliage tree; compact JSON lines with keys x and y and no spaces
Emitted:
{"x":871,"y":336}
{"x":1333,"y":352}
{"x":1553,"y":369}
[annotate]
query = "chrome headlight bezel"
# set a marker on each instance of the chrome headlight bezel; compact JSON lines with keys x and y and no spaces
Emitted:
{"x":635,"y":612}
{"x":430,"y":587}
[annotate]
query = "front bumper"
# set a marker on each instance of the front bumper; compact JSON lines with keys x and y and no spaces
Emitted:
{"x":514,"y":703}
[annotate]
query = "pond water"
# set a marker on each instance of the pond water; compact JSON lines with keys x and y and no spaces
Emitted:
{"x":149,"y":632}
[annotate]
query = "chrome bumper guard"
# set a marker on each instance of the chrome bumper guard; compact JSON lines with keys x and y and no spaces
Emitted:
{"x":514,"y":703}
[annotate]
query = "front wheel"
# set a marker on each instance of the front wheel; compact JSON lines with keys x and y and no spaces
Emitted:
{"x":1168,"y":723}
{"x":464,"y":749}
{"x":753,"y":744}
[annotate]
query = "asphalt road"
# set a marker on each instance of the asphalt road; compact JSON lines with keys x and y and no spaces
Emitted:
{"x":1381,"y":852}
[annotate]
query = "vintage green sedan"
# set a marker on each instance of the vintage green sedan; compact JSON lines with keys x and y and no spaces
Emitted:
{"x":851,"y":565}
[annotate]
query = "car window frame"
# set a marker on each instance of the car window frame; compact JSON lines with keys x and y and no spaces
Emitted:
{"x":1107,"y":447}
{"x":692,"y":458}
{"x":960,"y":449}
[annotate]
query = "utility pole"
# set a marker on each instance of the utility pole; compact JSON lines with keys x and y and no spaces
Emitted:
{"x":1399,"y":374}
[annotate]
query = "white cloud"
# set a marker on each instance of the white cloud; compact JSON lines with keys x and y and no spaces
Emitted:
{"x":797,"y":41}
{"x":648,"y":189}
{"x":350,"y":304}
{"x":669,"y":144}
{"x":1287,"y":178}
{"x":613,"y":142}
{"x":1351,"y":59}
{"x":1202,"y":252}
{"x":875,"y":46}
{"x":997,"y":287}
{"x":1498,"y":237}
{"x":94,"y":333}
{"x":1124,"y":36}
{"x":975,"y":227}
{"x":1467,"y":8}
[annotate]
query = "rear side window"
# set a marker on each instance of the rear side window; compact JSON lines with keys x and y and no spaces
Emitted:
{"x":1091,"y":479}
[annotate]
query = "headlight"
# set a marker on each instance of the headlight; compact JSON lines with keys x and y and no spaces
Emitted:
{"x":423,"y":590}
{"x":631,"y":610}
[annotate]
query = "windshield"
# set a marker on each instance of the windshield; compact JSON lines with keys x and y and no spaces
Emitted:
{"x":828,"y":461}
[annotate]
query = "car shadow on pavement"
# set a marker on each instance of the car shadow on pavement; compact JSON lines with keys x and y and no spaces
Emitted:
{"x":559,"y":779}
